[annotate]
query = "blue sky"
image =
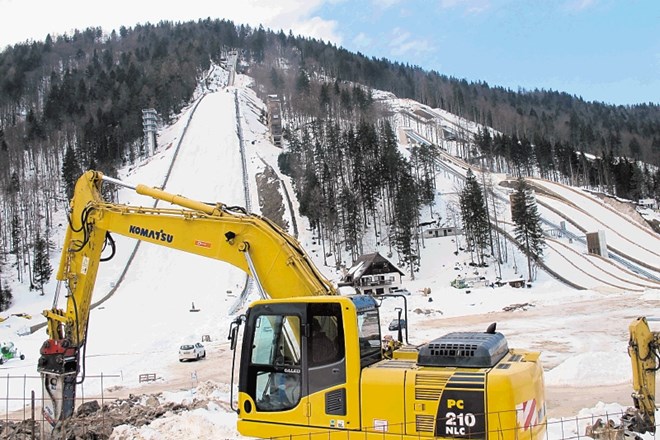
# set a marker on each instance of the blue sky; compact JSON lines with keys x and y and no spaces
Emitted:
{"x":600,"y":50}
{"x":603,"y":50}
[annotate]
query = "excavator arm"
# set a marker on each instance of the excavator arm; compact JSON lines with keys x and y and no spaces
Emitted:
{"x":279,"y":265}
{"x":644,"y":351}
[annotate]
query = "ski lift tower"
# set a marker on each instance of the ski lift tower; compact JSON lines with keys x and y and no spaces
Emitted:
{"x":149,"y":126}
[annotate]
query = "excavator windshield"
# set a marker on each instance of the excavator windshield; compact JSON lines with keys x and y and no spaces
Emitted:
{"x":273,"y":340}
{"x":278,"y":352}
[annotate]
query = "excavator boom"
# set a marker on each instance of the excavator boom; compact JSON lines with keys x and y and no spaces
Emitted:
{"x":280,"y":266}
{"x":644,"y":351}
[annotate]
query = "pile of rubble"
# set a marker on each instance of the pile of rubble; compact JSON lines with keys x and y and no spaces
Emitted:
{"x":514,"y":307}
{"x":93,"y":421}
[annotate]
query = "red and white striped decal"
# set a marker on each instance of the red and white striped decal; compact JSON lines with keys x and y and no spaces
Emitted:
{"x":526,"y":414}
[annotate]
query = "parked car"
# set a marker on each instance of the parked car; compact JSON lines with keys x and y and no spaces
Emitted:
{"x":189,"y":352}
{"x":400,"y":291}
{"x":394,"y":325}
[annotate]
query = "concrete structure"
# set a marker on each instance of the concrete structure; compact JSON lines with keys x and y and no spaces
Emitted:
{"x":150,"y":127}
{"x":408,"y":136}
{"x":596,"y":243}
{"x":275,"y":119}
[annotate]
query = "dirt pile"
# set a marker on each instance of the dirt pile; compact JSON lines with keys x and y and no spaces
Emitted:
{"x":93,"y":421}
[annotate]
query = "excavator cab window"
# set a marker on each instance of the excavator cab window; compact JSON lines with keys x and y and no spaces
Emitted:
{"x":369,"y":334}
{"x":276,"y":340}
{"x":276,"y":352}
{"x":326,"y":342}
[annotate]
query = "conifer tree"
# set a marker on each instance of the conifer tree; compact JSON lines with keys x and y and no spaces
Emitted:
{"x":5,"y":293}
{"x":406,"y":207}
{"x":526,"y":217}
{"x":42,"y":268}
{"x":16,"y":243}
{"x":6,"y":297}
{"x":475,"y":216}
{"x":70,"y":170}
{"x":351,"y":221}
{"x":302,"y":83}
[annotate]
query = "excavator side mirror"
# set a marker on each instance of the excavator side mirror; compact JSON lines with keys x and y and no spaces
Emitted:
{"x":399,"y":332}
{"x":233,"y":331}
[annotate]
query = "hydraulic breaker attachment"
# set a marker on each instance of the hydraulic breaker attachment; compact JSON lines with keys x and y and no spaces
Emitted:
{"x":58,"y":365}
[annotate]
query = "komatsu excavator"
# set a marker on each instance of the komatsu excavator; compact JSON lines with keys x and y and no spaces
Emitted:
{"x":644,"y":351}
{"x":312,"y":361}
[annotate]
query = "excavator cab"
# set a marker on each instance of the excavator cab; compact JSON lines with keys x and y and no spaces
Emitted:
{"x":316,"y":366}
{"x":303,"y":357}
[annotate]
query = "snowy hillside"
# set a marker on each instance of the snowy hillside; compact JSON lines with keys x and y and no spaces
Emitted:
{"x":139,"y":328}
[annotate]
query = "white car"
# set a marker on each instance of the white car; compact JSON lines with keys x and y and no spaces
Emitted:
{"x":189,"y":352}
{"x":401,"y":291}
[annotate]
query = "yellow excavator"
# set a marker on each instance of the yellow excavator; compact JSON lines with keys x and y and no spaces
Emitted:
{"x":644,"y":351}
{"x":312,"y":361}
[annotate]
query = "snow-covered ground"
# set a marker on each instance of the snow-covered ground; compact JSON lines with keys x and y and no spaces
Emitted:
{"x":138,"y":330}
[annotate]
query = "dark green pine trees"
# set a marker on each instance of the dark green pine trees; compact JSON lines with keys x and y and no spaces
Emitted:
{"x":70,"y":170}
{"x":406,"y":208}
{"x":6,"y":296}
{"x":42,"y":267}
{"x":527,"y":219}
{"x":476,"y":226}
